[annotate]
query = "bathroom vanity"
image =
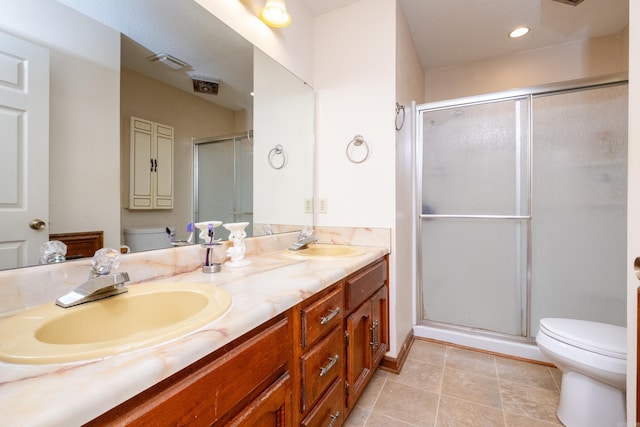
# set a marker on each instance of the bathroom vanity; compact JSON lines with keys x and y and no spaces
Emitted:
{"x":291,"y":370}
{"x":299,"y":343}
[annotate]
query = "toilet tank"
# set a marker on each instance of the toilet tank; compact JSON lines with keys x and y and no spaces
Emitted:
{"x":144,"y":238}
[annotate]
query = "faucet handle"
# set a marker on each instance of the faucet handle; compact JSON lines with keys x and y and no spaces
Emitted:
{"x":105,"y":261}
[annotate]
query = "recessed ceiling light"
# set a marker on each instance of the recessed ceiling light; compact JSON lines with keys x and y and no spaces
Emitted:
{"x":519,"y":32}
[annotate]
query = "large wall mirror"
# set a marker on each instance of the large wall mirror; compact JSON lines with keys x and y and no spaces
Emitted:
{"x":100,"y":76}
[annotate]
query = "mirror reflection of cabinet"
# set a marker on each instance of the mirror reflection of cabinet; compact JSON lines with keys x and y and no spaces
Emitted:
{"x":151,"y":176}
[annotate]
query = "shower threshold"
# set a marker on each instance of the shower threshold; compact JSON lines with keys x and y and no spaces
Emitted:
{"x":480,"y":340}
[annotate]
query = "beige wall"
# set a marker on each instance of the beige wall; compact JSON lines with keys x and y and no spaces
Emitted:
{"x":191,"y":117}
{"x":571,"y":61}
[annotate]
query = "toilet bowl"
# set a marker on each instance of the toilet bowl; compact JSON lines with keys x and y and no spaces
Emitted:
{"x":592,"y":357}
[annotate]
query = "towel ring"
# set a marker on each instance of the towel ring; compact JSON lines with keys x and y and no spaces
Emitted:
{"x":357,"y":141}
{"x":277,"y":151}
{"x":399,"y":108}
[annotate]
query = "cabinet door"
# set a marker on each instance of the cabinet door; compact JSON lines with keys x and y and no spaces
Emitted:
{"x":271,"y":409}
{"x":163,"y":167}
{"x":359,"y":360}
{"x":379,"y":322}
{"x":140,"y":188}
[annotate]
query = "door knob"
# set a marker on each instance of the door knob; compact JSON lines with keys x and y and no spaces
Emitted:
{"x":37,"y":224}
{"x":636,"y":267}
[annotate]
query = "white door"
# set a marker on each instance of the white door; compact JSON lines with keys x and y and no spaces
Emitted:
{"x":24,"y":151}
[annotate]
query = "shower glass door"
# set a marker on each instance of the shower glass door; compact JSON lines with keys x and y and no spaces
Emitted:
{"x":223,"y":180}
{"x":475,"y":215}
{"x":580,"y":205}
{"x":523,"y":210}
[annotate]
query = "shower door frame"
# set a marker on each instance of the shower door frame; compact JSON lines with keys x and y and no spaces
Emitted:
{"x":528,"y":93}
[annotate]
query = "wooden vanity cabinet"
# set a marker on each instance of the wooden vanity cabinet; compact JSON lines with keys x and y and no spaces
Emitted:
{"x":245,"y":383}
{"x":366,"y":327}
{"x":319,"y":356}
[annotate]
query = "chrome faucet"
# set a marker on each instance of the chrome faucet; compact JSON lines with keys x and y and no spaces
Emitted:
{"x":102,"y":282}
{"x":305,"y":238}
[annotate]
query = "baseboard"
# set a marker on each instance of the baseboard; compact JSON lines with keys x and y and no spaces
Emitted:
{"x":394,"y":364}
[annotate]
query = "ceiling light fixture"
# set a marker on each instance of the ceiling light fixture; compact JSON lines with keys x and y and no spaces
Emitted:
{"x":275,"y":14}
{"x":168,"y":60}
{"x":519,"y":32}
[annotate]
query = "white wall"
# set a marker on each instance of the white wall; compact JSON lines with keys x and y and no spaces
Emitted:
{"x":409,"y":87}
{"x":355,"y":94}
{"x":633,"y":207}
{"x":84,"y":122}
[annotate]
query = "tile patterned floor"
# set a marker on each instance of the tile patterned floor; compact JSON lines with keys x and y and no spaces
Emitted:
{"x":448,"y":386}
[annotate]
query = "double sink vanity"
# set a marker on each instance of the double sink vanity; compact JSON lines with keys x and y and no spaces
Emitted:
{"x":291,"y":339}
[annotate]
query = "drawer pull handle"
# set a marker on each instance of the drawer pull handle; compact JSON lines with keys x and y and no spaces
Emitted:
{"x":325,"y":319}
{"x":332,"y":361}
{"x":333,"y":417}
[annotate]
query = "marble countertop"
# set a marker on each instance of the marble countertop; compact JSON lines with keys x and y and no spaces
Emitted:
{"x":74,"y":393}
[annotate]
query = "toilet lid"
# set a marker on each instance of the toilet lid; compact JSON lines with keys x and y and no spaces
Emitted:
{"x":601,"y":338}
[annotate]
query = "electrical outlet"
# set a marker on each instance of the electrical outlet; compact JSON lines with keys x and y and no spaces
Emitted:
{"x":308,"y":206}
{"x":323,"y":205}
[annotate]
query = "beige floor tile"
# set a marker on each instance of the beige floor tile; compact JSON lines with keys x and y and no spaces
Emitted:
{"x":424,"y":376}
{"x":532,"y":402}
{"x":379,"y":420}
{"x":357,"y":417}
{"x":524,"y":373}
{"x":371,"y":392}
{"x":472,"y":361}
{"x":408,"y":404}
{"x":514,"y":420}
{"x":475,"y":388}
{"x":454,"y":412}
{"x":427,"y":352}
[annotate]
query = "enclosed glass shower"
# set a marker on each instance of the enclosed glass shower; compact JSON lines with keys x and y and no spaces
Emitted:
{"x":223,"y":179}
{"x":523,"y":210}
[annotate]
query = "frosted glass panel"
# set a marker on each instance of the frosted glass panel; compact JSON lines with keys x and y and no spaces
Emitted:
{"x":579,"y":208}
{"x":474,"y":273}
{"x":224,"y":174}
{"x":475,"y":159}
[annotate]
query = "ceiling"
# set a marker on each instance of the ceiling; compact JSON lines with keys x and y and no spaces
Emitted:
{"x":453,"y":32}
{"x":445,"y":33}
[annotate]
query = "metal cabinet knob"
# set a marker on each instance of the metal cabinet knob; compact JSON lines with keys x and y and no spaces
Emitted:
{"x":37,"y":224}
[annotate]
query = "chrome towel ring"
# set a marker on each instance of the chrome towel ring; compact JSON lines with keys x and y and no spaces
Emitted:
{"x":357,"y":141}
{"x":277,"y":151}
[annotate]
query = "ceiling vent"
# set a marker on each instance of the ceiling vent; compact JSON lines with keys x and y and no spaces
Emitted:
{"x":203,"y":84}
{"x":168,"y":60}
{"x":571,"y":2}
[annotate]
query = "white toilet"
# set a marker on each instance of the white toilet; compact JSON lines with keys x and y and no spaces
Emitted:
{"x":593,"y":359}
{"x":146,"y":238}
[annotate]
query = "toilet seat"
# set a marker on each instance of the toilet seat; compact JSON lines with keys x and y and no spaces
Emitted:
{"x":599,"y":338}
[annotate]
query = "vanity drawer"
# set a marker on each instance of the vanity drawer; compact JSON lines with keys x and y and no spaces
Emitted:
{"x":320,"y":366}
{"x":329,"y":410}
{"x":320,"y":317}
{"x":363,"y":284}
